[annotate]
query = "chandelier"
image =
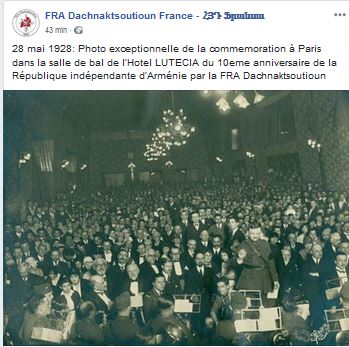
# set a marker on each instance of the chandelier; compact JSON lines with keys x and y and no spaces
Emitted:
{"x":238,"y":99}
{"x":173,"y":131}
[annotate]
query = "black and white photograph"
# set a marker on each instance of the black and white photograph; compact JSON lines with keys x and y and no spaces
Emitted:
{"x":185,"y":217}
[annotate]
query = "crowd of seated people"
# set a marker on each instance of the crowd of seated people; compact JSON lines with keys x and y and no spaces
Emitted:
{"x":116,"y":261}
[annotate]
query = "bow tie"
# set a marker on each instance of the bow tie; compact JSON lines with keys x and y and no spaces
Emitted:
{"x":340,"y":270}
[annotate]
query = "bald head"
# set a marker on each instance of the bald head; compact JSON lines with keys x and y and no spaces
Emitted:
{"x":98,"y":283}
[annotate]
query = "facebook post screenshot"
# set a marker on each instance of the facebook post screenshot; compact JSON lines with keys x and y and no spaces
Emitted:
{"x":175,"y":173}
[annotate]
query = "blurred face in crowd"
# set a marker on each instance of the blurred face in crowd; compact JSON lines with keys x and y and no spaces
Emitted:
{"x":23,"y":269}
{"x":25,"y":247}
{"x":326,"y":234}
{"x":316,"y":251}
{"x":175,"y":254}
{"x":52,"y":275}
{"x":18,"y":253}
{"x":204,"y":236}
{"x":291,"y":238}
{"x":233,"y":224}
{"x":55,"y":256}
{"x":33,"y":264}
{"x":341,"y":261}
{"x":159,"y":283}
{"x":308,"y":245}
{"x":224,"y":257}
{"x":74,"y":279}
{"x":344,"y":248}
{"x":208,"y":258}
{"x":42,"y":250}
{"x":312,"y":234}
{"x":178,"y":230}
{"x":99,"y":283}
{"x":151,"y":256}
{"x":335,"y":239}
{"x":132,"y":271}
{"x":88,"y":264}
{"x":107,"y":246}
{"x":254,"y":234}
{"x":218,"y":219}
{"x":167,"y":267}
{"x":100,"y":266}
{"x":195,"y":218}
{"x":98,"y":240}
{"x":66,"y":287}
{"x":202,"y":213}
{"x":140,"y":234}
{"x":184,"y":215}
{"x":217,"y":242}
{"x":199,"y":259}
{"x":192,"y":245}
{"x":141,"y":249}
{"x":222,"y":288}
{"x":208,"y":213}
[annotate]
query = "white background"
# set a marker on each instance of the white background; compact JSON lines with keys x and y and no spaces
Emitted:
{"x":307,"y":22}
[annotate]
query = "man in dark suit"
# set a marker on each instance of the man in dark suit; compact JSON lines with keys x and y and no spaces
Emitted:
{"x":151,"y":299}
{"x":98,"y":295}
{"x":199,"y":280}
{"x":178,"y":263}
{"x":331,"y":248}
{"x":203,"y":220}
{"x":173,"y":208}
{"x":189,"y":256}
{"x":60,"y":266}
{"x":18,"y":235}
{"x":313,"y":210}
{"x":345,"y":232}
{"x":20,"y":289}
{"x":107,"y":253}
{"x":218,"y":228}
{"x":89,"y":247}
{"x":194,"y":229}
{"x":204,"y":244}
{"x":234,"y":235}
{"x":216,"y":251}
{"x":174,"y":285}
{"x":28,"y":250}
{"x":312,"y":285}
{"x":43,"y":259}
{"x":337,"y":271}
{"x":117,"y":274}
{"x":18,"y":255}
{"x":149,"y":269}
{"x":288,"y":271}
{"x":341,"y":205}
{"x":184,"y":221}
{"x":295,"y":246}
{"x":134,"y":285}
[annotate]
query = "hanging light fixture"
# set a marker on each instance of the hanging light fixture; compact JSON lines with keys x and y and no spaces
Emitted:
{"x":173,"y":131}
{"x":258,"y":97}
{"x":223,"y":104}
{"x":240,"y":101}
